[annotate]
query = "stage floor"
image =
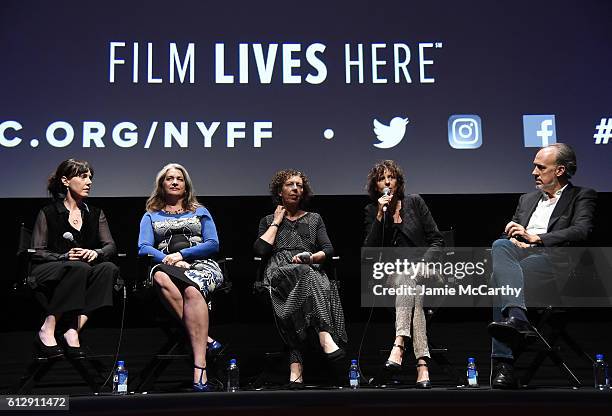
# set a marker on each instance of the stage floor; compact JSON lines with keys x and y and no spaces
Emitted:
{"x":354,"y":402}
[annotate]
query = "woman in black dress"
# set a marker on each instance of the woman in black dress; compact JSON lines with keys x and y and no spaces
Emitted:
{"x":294,"y":244}
{"x":71,"y":273}
{"x":394,"y":219}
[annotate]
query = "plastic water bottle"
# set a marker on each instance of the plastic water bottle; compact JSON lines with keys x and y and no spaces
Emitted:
{"x":120,"y":378}
{"x":600,"y":371}
{"x":233,"y":376}
{"x":472,"y":373}
{"x":354,"y":375}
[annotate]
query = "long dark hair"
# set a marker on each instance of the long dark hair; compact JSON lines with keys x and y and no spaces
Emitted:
{"x":377,"y":171}
{"x":69,"y":168}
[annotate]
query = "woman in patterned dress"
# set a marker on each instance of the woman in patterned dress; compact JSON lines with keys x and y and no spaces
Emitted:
{"x":295,"y":245}
{"x":181,"y":236}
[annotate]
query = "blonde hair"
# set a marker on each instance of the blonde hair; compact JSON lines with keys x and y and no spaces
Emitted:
{"x":157,"y":200}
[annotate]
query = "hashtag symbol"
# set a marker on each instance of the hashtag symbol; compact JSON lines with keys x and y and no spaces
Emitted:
{"x":604,"y":131}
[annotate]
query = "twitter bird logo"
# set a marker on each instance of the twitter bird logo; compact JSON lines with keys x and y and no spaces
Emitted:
{"x":390,"y":136}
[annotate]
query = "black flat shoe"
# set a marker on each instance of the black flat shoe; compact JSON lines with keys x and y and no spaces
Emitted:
{"x":425,"y":384}
{"x":73,"y":353}
{"x":335,"y":356}
{"x":45,"y":351}
{"x":295,"y":385}
{"x":338,"y":365}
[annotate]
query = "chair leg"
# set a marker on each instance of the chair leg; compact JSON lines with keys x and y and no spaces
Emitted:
{"x":79,"y":366}
{"x":552,"y":353}
{"x":438,"y":355}
{"x":37,"y":369}
{"x":576,"y":348}
{"x":158,"y":364}
{"x":264,"y":377}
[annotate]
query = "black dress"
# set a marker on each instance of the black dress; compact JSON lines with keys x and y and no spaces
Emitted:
{"x":63,"y":285}
{"x":302,"y":295}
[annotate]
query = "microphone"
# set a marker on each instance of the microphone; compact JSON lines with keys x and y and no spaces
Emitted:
{"x":70,"y":238}
{"x":386,"y":192}
{"x":305,"y":256}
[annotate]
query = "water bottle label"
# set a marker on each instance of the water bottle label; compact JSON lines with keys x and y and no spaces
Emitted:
{"x":354,"y":378}
{"x":122,"y":382}
{"x":472,"y":376}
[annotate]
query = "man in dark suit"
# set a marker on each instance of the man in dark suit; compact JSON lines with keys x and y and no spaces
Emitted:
{"x":557,"y":214}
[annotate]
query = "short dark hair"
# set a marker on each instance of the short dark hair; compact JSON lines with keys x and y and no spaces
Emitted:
{"x":68,"y":168}
{"x":566,"y":157}
{"x":377,"y":171}
{"x":278,"y":180}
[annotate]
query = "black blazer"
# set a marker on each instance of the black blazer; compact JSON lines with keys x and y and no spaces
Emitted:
{"x":418,"y":226}
{"x":571,"y":221}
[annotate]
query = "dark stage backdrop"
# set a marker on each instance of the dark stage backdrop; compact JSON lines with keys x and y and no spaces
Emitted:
{"x":457,"y":92}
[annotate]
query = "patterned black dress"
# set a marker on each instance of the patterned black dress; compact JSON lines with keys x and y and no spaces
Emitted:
{"x":302,"y":295}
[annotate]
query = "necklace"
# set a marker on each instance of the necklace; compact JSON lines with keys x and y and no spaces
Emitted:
{"x":74,"y":215}
{"x":178,"y":211}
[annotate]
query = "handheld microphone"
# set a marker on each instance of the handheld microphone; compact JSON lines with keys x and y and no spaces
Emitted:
{"x":304,"y":256}
{"x":386,"y":192}
{"x":70,"y":238}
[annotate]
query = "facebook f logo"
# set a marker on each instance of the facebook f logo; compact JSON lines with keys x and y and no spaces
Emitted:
{"x":539,"y":130}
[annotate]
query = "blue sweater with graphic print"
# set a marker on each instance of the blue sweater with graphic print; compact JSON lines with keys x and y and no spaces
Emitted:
{"x":158,"y":228}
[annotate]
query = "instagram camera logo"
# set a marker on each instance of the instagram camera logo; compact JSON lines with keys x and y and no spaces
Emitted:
{"x":464,"y":131}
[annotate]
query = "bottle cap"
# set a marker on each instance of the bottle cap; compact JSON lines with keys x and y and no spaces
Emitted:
{"x":233,"y":361}
{"x":599,"y":357}
{"x":470,"y":360}
{"x":121,"y":362}
{"x":353,"y":362}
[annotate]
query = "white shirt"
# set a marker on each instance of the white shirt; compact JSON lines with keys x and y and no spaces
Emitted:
{"x":538,"y":223}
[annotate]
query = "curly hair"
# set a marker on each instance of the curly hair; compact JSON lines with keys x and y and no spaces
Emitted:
{"x":69,"y":168}
{"x":278,"y":180}
{"x":157,"y":200}
{"x":377,"y":172}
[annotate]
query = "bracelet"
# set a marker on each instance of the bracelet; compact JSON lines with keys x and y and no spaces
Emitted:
{"x":274,"y":225}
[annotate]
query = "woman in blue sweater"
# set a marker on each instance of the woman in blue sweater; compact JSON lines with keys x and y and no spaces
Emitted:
{"x":181,"y":237}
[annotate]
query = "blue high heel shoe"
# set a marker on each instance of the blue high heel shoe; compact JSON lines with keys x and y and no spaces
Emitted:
{"x":199,"y":386}
{"x":214,"y":347}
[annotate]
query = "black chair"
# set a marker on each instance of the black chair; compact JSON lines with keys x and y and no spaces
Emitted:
{"x":274,"y":359}
{"x":439,"y":352}
{"x":550,"y":329}
{"x":90,"y":368}
{"x":176,"y":345}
